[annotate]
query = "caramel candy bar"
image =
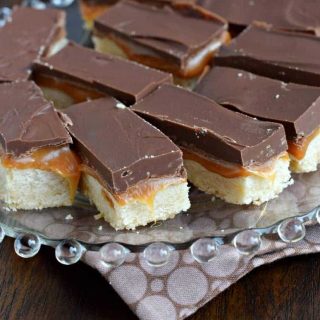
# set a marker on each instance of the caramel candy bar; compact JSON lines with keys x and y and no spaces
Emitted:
{"x":76,"y":74}
{"x":131,"y":171}
{"x":28,"y":35}
{"x":180,"y":38}
{"x":233,"y":156}
{"x":286,"y":56}
{"x":295,"y":15}
{"x":92,"y":9}
{"x":37,"y":168}
{"x":296,"y":106}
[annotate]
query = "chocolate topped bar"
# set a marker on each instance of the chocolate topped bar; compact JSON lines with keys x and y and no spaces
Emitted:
{"x":173,"y":32}
{"x":299,"y":15}
{"x":199,"y":124}
{"x":120,"y":146}
{"x":296,"y":106}
{"x":127,"y":81}
{"x":287,"y":56}
{"x":28,"y":35}
{"x":27,"y":120}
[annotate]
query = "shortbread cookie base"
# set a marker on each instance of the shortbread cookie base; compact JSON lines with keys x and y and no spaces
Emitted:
{"x":33,"y":189}
{"x":311,"y":159}
{"x":241,"y":190}
{"x":57,"y":46}
{"x":167,"y":203}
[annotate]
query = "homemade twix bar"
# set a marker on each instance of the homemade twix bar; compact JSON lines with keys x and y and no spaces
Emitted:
{"x":295,"y":106}
{"x":287,"y":56}
{"x":230,"y":155}
{"x":92,"y":9}
{"x":131,"y":171}
{"x":28,"y":35}
{"x":37,"y":168}
{"x":179,"y":37}
{"x":295,"y":15}
{"x":76,"y":74}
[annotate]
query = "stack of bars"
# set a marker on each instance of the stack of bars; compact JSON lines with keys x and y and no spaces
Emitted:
{"x":112,"y":123}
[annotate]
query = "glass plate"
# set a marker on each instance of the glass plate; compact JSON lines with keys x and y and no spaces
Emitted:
{"x":209,"y":223}
{"x":207,"y":217}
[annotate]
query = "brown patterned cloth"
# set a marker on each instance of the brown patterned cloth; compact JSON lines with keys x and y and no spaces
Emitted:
{"x":181,"y":287}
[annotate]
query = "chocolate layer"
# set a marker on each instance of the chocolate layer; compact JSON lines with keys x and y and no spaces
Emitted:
{"x":198,"y":123}
{"x":287,"y":56}
{"x":26,"y":37}
{"x":299,"y":15}
{"x":120,"y":146}
{"x":27,"y":120}
{"x":173,"y":32}
{"x":296,"y":106}
{"x":127,"y":81}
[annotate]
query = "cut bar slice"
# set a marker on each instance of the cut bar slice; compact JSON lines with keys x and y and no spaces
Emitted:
{"x":180,"y":38}
{"x":37,"y":168}
{"x":92,"y":9}
{"x":286,"y":56}
{"x":76,"y":74}
{"x":28,"y":35}
{"x":131,"y":171}
{"x":295,"y":106}
{"x":233,"y":156}
{"x":296,"y":15}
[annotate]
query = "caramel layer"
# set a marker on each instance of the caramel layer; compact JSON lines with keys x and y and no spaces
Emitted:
{"x":77,"y":93}
{"x":60,"y":160}
{"x":233,"y":170}
{"x":144,"y":191}
{"x":90,"y":12}
{"x":107,"y":198}
{"x":299,"y":149}
{"x":164,"y":64}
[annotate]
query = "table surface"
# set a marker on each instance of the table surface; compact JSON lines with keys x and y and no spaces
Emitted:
{"x":41,"y":288}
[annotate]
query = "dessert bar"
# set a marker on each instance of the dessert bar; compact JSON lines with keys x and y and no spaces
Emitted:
{"x":295,"y":106}
{"x":286,"y":56}
{"x":37,"y":168}
{"x":92,"y":9}
{"x":131,"y":171}
{"x":28,"y":35}
{"x":180,"y":38}
{"x":295,"y":15}
{"x":76,"y":74}
{"x":230,"y":155}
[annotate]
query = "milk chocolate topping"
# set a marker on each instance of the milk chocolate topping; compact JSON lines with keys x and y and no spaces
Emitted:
{"x":27,"y":120}
{"x":198,"y":123}
{"x":120,"y":146}
{"x":26,"y":37}
{"x":299,"y":15}
{"x":172,"y":32}
{"x":296,"y":106}
{"x":125,"y":80}
{"x":287,"y":56}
